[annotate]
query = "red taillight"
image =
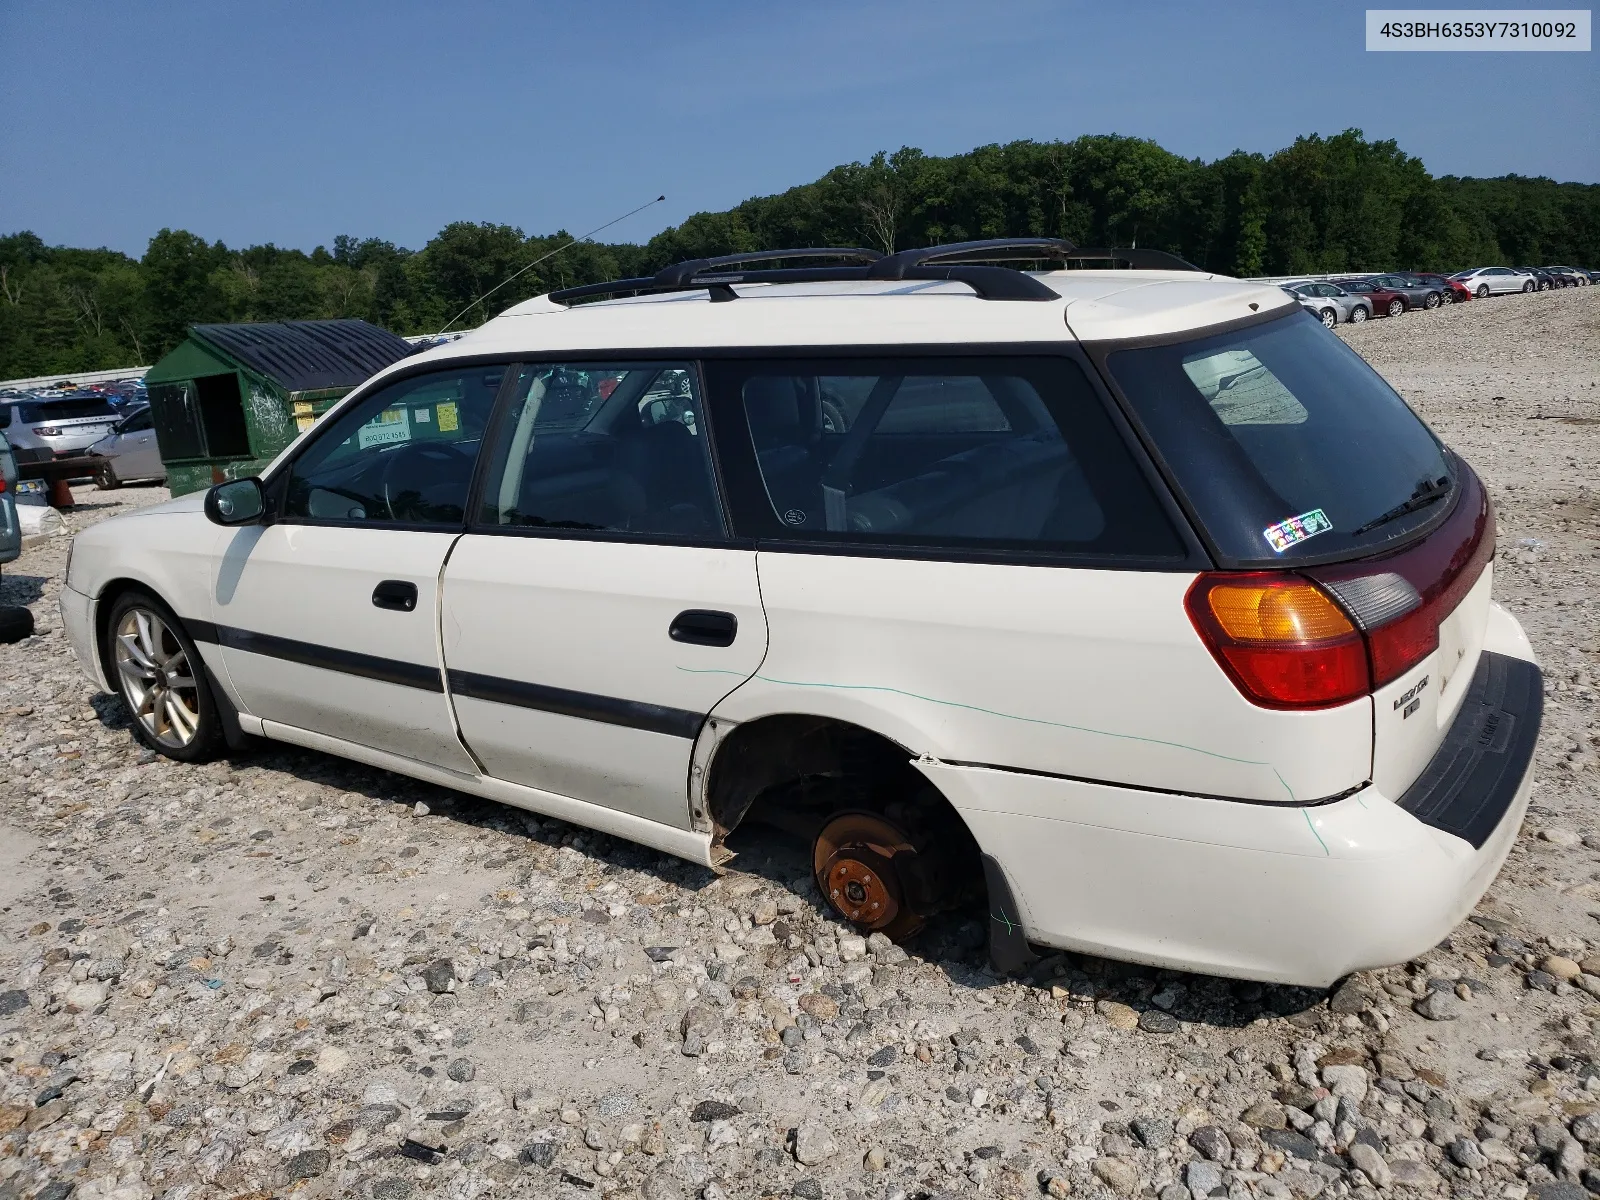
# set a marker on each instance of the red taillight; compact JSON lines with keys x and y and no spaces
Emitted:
{"x":1285,"y":643}
{"x":1337,"y":632}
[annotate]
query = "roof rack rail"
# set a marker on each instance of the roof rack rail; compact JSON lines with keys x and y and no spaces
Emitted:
{"x":987,"y":251}
{"x":1138,"y":260}
{"x":680,"y":272}
{"x":958,"y":262}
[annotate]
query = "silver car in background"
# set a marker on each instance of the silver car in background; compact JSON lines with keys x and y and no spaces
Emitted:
{"x":1329,"y":303}
{"x":43,"y":428}
{"x":1494,"y":281}
{"x":130,"y":452}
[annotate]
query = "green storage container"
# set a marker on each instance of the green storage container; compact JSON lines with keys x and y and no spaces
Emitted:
{"x":230,"y":398}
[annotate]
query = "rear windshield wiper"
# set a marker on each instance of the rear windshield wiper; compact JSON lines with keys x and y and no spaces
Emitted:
{"x":1427,"y":492}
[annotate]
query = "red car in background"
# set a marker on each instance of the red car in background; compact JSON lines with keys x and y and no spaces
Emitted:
{"x":1384,"y":302}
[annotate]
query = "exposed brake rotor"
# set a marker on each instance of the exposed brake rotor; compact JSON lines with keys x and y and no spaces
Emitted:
{"x":860,"y":860}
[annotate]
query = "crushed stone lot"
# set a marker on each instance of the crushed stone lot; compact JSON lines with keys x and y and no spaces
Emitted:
{"x":285,"y":973}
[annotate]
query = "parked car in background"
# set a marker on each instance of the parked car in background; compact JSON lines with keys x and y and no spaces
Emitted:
{"x":1594,"y":276}
{"x":1450,"y":290}
{"x":41,"y":429}
{"x":16,"y":622}
{"x":1413,"y":289}
{"x":130,"y":452}
{"x":1495,"y":281}
{"x":1542,"y":278}
{"x":1329,"y":303}
{"x":1385,"y":303}
{"x":10,"y":531}
{"x":1568,"y":276}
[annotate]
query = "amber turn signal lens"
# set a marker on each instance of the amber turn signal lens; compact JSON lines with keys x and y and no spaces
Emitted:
{"x":1276,"y":612}
{"x":1282,"y":640}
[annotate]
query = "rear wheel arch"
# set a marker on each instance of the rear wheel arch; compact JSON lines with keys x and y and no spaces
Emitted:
{"x":796,"y":772}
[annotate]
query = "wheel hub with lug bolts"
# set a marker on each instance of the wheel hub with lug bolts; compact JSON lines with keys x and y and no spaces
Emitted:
{"x":858,"y":858}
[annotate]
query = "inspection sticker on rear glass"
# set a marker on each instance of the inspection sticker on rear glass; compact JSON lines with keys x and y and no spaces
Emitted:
{"x":1296,"y":529}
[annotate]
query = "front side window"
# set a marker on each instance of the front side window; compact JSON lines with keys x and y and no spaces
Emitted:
{"x":403,"y":455}
{"x":1013,"y":452}
{"x":1288,"y":445}
{"x":603,"y":448}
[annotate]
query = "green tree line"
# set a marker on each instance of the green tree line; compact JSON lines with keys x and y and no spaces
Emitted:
{"x":1340,"y":203}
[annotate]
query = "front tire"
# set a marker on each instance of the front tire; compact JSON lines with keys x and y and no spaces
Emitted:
{"x":1358,"y":314}
{"x":1328,"y":317}
{"x":1396,"y":307}
{"x":106,"y":479}
{"x":162,"y":679}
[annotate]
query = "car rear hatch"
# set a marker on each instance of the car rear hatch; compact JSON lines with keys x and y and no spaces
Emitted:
{"x":1354,"y":550}
{"x":69,"y":424}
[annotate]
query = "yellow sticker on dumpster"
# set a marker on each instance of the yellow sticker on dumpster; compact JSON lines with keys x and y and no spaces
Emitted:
{"x":449,"y":417}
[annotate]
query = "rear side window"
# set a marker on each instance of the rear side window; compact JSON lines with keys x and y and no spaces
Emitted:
{"x":1003,"y":452}
{"x":1286,"y":443}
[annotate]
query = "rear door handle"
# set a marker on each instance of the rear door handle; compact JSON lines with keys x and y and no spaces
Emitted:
{"x":396,"y":594}
{"x":704,"y":627}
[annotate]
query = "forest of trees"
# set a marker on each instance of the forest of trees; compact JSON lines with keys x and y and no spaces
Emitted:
{"x":1322,"y":204}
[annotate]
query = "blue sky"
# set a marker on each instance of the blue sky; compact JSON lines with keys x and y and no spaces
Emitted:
{"x":293,"y":122}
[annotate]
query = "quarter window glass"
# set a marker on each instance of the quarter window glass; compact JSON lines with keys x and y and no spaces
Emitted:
{"x":603,"y":449}
{"x":402,"y":456}
{"x":1015,"y":452}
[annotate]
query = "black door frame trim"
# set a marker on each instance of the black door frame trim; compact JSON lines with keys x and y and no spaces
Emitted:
{"x":587,"y":706}
{"x":346,"y":662}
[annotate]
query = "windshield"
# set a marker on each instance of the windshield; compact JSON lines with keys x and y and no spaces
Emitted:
{"x":1287,"y":444}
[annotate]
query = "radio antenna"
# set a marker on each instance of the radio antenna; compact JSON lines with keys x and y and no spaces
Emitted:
{"x":542,"y":258}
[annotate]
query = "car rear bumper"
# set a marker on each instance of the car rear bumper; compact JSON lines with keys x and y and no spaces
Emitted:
{"x":1286,"y":894}
{"x":77,"y":619}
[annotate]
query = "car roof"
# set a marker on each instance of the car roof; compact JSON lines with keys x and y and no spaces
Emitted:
{"x":1093,"y":306}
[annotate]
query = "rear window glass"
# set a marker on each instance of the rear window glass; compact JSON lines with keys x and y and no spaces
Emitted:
{"x":1286,"y":443}
{"x":958,"y":453}
{"x":64,"y":410}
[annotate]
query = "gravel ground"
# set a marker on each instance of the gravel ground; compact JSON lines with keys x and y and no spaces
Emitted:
{"x":287,"y":973}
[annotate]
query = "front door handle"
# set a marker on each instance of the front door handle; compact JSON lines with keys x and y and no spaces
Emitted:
{"x":396,"y":594}
{"x":704,"y":627}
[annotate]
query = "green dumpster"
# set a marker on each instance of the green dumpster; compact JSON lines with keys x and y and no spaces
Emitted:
{"x":229,"y":398}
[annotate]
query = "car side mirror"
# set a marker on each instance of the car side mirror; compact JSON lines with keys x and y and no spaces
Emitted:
{"x":237,"y":502}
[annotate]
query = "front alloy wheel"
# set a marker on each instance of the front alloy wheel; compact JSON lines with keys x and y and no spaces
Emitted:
{"x":1396,"y":307}
{"x":157,"y":679}
{"x":1358,"y":314}
{"x":159,"y":674}
{"x":1329,"y":317}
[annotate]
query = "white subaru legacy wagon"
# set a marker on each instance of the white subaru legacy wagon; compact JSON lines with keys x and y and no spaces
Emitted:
{"x":1125,"y":601}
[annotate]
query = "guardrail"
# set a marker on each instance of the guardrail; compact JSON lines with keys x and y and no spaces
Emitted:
{"x":1316,"y":278}
{"x":74,"y":377}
